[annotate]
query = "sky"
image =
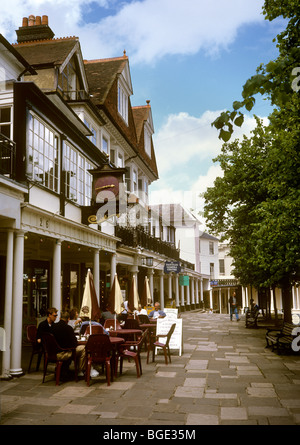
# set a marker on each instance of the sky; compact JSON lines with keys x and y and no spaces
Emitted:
{"x":190,"y":58}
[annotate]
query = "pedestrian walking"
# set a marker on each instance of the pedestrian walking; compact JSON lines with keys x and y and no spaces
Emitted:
{"x":234,"y":307}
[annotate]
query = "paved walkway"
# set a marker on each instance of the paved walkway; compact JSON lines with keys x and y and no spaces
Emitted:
{"x":224,"y":376}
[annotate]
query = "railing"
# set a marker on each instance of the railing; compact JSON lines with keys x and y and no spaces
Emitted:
{"x":7,"y":157}
{"x":74,"y":95}
{"x":135,"y":237}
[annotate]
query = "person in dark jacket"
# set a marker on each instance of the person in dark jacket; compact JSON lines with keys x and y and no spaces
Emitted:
{"x":47,"y":324}
{"x":66,"y":338}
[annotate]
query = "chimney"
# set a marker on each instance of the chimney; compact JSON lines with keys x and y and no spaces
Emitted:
{"x":34,"y":28}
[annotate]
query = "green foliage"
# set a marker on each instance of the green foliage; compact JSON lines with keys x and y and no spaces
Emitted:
{"x":256,"y":204}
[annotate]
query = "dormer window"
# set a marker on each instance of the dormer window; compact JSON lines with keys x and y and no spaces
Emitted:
{"x":147,"y":141}
{"x":123,"y":102}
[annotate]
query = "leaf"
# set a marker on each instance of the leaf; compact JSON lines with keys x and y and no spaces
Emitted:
{"x":239,"y":120}
{"x":236,"y":105}
{"x":225,"y":135}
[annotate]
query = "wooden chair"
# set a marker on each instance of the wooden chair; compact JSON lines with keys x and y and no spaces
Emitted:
{"x":164,"y":346}
{"x":37,"y":348}
{"x":51,"y":350}
{"x":132,"y":350}
{"x":98,"y":350}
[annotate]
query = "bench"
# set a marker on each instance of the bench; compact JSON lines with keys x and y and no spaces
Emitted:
{"x":280,"y":338}
{"x":251,"y":318}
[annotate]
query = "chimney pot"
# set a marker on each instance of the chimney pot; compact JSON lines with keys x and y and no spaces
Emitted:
{"x":31,"y":20}
{"x":25,"y":21}
{"x":38,"y":20}
{"x":45,"y":20}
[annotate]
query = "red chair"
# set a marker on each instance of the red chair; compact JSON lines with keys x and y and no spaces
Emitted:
{"x":164,"y":346}
{"x":95,"y":330}
{"x":37,"y":348}
{"x":98,"y":350}
{"x":112,"y":323}
{"x":131,"y":323}
{"x":143,"y":318}
{"x":125,"y":351}
{"x":51,"y":350}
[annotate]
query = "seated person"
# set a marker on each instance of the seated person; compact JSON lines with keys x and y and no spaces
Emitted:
{"x":46,"y":325}
{"x":65,"y":337}
{"x":86,"y":323}
{"x":157,"y":313}
{"x":75,"y":321}
{"x":125,"y":312}
{"x":140,"y":311}
{"x":107,"y":314}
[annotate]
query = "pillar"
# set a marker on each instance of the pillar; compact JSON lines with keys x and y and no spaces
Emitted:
{"x":170,"y":286}
{"x":17,"y":305}
{"x":150,"y":277}
{"x":182,"y":294}
{"x":96,"y":274}
{"x":162,"y":299}
{"x":177,"y":290}
{"x":113,"y":268}
{"x":197,"y":291}
{"x":56,"y":276}
{"x":193,"y":290}
{"x":8,"y":304}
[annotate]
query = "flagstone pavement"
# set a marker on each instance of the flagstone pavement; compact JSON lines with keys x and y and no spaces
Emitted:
{"x":225,"y":376}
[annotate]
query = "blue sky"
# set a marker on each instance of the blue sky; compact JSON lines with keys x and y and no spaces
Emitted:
{"x":190,"y":59}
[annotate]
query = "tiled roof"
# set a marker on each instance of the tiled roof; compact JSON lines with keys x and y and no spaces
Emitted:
{"x":140,"y":116}
{"x":101,"y":74}
{"x":46,"y":52}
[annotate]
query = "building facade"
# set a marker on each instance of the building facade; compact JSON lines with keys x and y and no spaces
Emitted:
{"x":76,"y":164}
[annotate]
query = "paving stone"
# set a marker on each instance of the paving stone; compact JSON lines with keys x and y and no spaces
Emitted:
{"x":234,"y":413}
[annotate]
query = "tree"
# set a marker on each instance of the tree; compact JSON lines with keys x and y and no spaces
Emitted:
{"x":256,"y":204}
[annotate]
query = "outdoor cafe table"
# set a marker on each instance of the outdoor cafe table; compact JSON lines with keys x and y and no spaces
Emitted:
{"x":124,"y":332}
{"x":115,"y":343}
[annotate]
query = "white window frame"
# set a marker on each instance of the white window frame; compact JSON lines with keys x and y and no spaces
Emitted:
{"x":78,"y":180}
{"x":123,"y":102}
{"x":147,"y":141}
{"x":43,"y":153}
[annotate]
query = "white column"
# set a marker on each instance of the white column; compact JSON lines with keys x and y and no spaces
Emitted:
{"x":188,"y":302}
{"x":56,"y":276}
{"x":170,"y":286}
{"x":150,"y":277}
{"x":197,"y":291}
{"x":96,"y":274}
{"x":17,"y":306}
{"x":113,"y":268}
{"x":193,"y":289}
{"x":211,"y":299}
{"x":177,"y":290}
{"x":182,"y":295}
{"x":201,"y":289}
{"x":162,"y":299}
{"x":8,"y":303}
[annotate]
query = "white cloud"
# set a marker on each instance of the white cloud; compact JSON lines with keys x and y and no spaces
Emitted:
{"x":185,"y":138}
{"x":148,"y":30}
{"x":185,"y":146}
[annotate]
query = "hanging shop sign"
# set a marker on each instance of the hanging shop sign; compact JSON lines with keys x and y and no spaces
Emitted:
{"x":184,"y":280}
{"x":172,"y":267}
{"x":107,"y":193}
